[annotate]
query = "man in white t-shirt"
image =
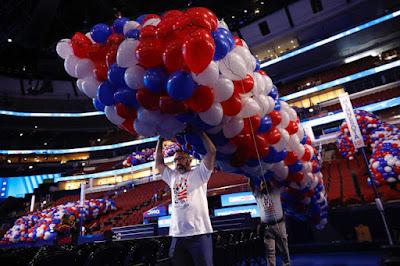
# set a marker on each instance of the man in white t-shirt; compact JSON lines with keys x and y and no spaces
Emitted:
{"x":272,"y":226}
{"x":190,"y":221}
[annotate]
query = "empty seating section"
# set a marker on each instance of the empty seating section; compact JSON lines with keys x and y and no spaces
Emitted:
{"x":329,"y":75}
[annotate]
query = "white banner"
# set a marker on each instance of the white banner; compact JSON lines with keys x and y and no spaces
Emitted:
{"x":351,"y":120}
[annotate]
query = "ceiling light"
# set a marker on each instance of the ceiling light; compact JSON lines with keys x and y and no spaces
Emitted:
{"x":25,"y":159}
{"x":98,"y":140}
{"x":8,"y":161}
{"x":245,"y":11}
{"x":45,"y":144}
{"x":9,"y":40}
{"x":30,"y":166}
{"x":233,"y":16}
{"x":36,"y":126}
{"x":269,"y":51}
{"x":311,"y":110}
{"x":83,"y":164}
{"x":55,"y":158}
{"x":294,"y":46}
{"x":257,"y":11}
{"x":279,"y":46}
{"x":262,"y":2}
{"x":308,"y":83}
{"x":21,"y":134}
{"x":23,"y":68}
{"x":291,"y":41}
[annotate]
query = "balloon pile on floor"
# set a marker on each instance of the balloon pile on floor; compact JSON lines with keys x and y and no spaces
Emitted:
{"x":382,"y":139}
{"x":147,"y":155}
{"x":165,"y":74}
{"x":39,"y":225}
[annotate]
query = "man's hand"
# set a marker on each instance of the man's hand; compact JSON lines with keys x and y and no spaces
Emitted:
{"x":159,"y":158}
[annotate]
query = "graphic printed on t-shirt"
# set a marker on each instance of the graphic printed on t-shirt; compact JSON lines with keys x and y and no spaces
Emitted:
{"x":268,"y":205}
{"x":181,"y":192}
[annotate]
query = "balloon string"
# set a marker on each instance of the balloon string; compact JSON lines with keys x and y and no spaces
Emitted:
{"x":261,"y":167}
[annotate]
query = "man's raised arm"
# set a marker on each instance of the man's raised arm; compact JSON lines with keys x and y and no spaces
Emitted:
{"x":209,"y":158}
{"x":160,"y":165}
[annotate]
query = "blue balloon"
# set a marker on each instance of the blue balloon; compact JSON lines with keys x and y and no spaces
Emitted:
{"x":297,"y":166}
{"x":219,"y":138}
{"x":105,"y":93}
{"x":265,"y":124}
{"x":274,"y":93}
{"x":257,"y":65}
{"x":222,"y":156}
{"x":118,"y":25}
{"x":98,"y":105}
{"x":186,"y":117}
{"x":199,"y":124}
{"x":180,"y":85}
{"x":180,"y":139}
{"x":282,"y":155}
{"x":141,"y":18}
{"x":100,"y":32}
{"x":272,"y":156}
{"x":127,"y":97}
{"x":277,"y":105}
{"x":224,"y":42}
{"x":155,"y":79}
{"x":304,"y":140}
{"x":132,"y":34}
{"x":193,"y":139}
{"x":252,"y":162}
{"x":116,"y":75}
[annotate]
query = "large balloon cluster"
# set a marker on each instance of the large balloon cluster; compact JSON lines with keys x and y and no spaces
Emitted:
{"x":147,"y":155}
{"x":40,"y":225}
{"x":384,"y":142}
{"x":159,"y":75}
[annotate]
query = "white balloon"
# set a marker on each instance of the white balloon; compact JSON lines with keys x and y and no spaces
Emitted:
{"x":299,"y":150}
{"x":249,"y":108}
{"x":283,"y":141}
{"x":228,"y":148}
{"x":79,"y":84}
{"x":126,"y":56}
{"x":222,"y":24}
{"x":150,"y":117}
{"x":223,"y":89}
{"x":245,"y":54}
{"x":268,"y":84}
{"x":70,"y":63}
{"x":144,"y":129}
{"x":280,"y":170}
{"x":271,"y":104}
{"x":131,"y":25}
{"x":263,"y":103}
{"x":259,"y":89}
{"x":134,"y":77}
{"x":64,"y":48}
{"x":285,"y":119}
{"x":293,"y":142}
{"x":152,"y":21}
{"x":112,"y":115}
{"x":89,"y":86}
{"x":284,"y":106}
{"x":214,"y":130}
{"x":84,"y":68}
{"x":232,"y":127}
{"x":292,"y":114}
{"x":300,"y":132}
{"x":209,"y":76}
{"x":89,"y":35}
{"x":213,"y":116}
{"x":233,"y":66}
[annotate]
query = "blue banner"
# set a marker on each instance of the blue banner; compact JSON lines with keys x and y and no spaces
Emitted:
{"x":155,"y":212}
{"x":252,"y":209}
{"x":240,"y":198}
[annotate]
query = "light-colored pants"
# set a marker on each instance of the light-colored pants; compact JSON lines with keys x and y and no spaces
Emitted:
{"x":276,"y":234}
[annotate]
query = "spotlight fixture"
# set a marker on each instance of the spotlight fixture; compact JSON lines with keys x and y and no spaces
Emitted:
{"x":21,"y":134}
{"x":257,"y":11}
{"x":308,"y":83}
{"x":9,"y":40}
{"x":30,"y":166}
{"x":98,"y":140}
{"x":262,"y":2}
{"x":36,"y":127}
{"x":311,"y":110}
{"x":45,"y":144}
{"x":245,"y":11}
{"x":8,"y":161}
{"x":233,"y":16}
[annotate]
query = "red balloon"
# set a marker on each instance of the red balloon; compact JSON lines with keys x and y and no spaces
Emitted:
{"x":148,"y":33}
{"x":148,"y":99}
{"x":172,"y":56}
{"x":238,"y":41}
{"x":251,"y":124}
{"x":262,"y":146}
{"x":81,"y":45}
{"x":232,"y":106}
{"x":100,"y":70}
{"x":273,"y":136}
{"x":307,"y":155}
{"x":198,"y":50}
{"x":201,"y":100}
{"x":295,"y":176}
{"x":115,"y":39}
{"x":292,"y":127}
{"x":291,"y":158}
{"x":308,"y":140}
{"x":243,"y":141}
{"x":171,"y":14}
{"x":276,"y":117}
{"x":127,"y":125}
{"x":164,"y":29}
{"x":243,"y":86}
{"x":171,"y":106}
{"x":111,"y":56}
{"x":203,"y":17}
{"x":125,"y":111}
{"x":97,"y":52}
{"x":149,"y":53}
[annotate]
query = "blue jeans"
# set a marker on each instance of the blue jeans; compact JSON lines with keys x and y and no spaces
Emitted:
{"x":192,"y":250}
